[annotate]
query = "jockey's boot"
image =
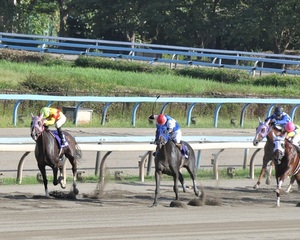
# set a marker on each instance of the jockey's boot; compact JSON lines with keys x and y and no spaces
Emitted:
{"x":179,"y":146}
{"x":62,"y":138}
{"x":183,"y":150}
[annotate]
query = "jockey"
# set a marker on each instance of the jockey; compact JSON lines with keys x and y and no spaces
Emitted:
{"x":279,"y":117}
{"x":53,"y":116}
{"x":293,"y":133}
{"x":173,"y":128}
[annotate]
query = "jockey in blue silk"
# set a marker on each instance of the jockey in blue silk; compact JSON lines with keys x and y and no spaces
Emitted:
{"x":173,"y":128}
{"x":279,"y":117}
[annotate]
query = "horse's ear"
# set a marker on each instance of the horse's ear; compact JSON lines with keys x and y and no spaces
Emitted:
{"x":41,"y":116}
{"x":259,"y":120}
{"x":32,"y":116}
{"x":284,"y":135}
{"x":274,"y":135}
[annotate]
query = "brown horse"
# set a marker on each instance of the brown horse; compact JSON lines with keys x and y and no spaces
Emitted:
{"x":287,"y":163}
{"x":169,"y":160}
{"x":266,"y":130}
{"x":49,"y":153}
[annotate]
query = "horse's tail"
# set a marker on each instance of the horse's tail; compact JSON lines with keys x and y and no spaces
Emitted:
{"x":78,"y":152}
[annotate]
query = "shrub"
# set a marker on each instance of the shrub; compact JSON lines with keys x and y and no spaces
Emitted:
{"x":277,"y":80}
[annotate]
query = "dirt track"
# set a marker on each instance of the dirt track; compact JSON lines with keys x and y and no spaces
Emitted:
{"x":233,"y":210}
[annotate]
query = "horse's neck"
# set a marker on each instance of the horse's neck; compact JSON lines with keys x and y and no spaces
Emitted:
{"x":169,"y":146}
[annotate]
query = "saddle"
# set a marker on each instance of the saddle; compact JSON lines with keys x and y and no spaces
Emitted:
{"x":54,"y":133}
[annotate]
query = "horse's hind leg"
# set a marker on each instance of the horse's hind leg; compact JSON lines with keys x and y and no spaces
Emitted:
{"x":193,"y":176}
{"x":74,"y":171}
{"x":181,"y":180}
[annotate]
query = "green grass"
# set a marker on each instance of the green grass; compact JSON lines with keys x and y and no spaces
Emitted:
{"x":201,"y":175}
{"x":105,"y":81}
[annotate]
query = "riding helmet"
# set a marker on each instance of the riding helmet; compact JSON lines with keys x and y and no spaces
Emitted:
{"x":278,"y":111}
{"x":289,"y":127}
{"x":45,"y":111}
{"x":161,"y":119}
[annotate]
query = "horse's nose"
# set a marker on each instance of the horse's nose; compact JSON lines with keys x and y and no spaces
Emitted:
{"x":255,"y":142}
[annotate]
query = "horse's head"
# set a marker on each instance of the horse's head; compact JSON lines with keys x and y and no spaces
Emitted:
{"x":37,"y":126}
{"x":162,"y":136}
{"x":267,"y":129}
{"x":261,"y":131}
{"x":279,"y":147}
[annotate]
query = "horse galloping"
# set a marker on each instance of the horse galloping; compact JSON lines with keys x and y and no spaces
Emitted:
{"x":49,"y":153}
{"x":266,"y":130}
{"x":169,"y":160}
{"x":287,"y":163}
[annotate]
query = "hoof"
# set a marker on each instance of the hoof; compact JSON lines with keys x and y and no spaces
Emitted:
{"x":75,"y":191}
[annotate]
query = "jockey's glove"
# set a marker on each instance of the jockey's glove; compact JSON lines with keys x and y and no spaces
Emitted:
{"x":170,"y":130}
{"x":166,"y":132}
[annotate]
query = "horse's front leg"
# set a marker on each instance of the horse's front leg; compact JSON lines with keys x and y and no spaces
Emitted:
{"x":291,"y":184}
{"x":269,"y":173}
{"x":262,"y":172}
{"x":175,"y":186}
{"x":55,"y":173}
{"x":278,"y":191}
{"x":157,"y":186}
{"x":62,"y":178}
{"x":45,"y":181}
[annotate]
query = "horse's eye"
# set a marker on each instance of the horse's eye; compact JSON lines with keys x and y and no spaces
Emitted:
{"x":263,"y":130}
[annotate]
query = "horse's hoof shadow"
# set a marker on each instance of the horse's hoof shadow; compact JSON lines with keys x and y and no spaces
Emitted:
{"x":63,"y":195}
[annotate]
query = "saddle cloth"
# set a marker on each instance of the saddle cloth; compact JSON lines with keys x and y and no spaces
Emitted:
{"x":58,"y":140}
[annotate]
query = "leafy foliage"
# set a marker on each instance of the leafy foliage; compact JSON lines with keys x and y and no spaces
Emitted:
{"x":249,"y":25}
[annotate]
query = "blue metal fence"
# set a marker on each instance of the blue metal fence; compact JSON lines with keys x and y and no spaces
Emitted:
{"x":18,"y":98}
{"x":253,"y":62}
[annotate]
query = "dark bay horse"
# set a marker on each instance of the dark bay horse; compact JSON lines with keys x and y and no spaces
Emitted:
{"x":169,"y":160}
{"x":266,"y":130}
{"x":287,"y":163}
{"x":49,"y":153}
